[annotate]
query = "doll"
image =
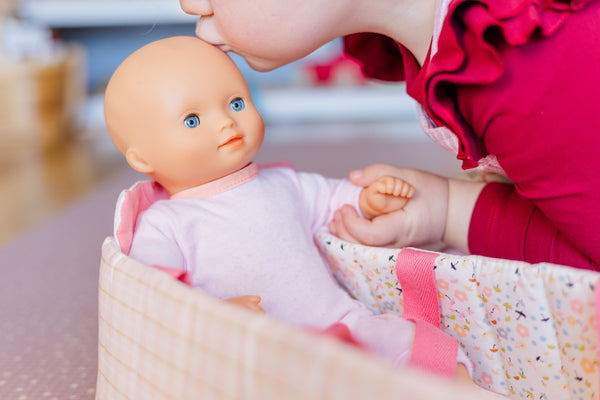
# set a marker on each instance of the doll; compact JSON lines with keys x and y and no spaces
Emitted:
{"x":180,"y":111}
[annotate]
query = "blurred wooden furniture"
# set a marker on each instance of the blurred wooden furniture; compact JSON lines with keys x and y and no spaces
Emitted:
{"x":36,"y":184}
{"x":42,"y":164}
{"x":40,"y":99}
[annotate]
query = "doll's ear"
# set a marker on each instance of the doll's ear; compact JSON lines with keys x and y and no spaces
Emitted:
{"x":137,"y":162}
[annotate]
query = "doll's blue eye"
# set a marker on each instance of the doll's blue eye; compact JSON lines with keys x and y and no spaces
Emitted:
{"x":237,"y":104}
{"x":191,"y":121}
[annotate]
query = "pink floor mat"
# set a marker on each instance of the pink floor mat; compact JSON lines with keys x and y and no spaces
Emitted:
{"x":49,"y":301}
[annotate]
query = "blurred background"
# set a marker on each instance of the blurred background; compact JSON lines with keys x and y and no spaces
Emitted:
{"x":57,"y":55}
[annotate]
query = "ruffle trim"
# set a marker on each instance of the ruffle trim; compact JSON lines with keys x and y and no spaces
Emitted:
{"x":480,"y":25}
{"x":379,"y":55}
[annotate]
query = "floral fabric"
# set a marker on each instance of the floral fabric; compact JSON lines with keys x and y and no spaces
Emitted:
{"x":530,"y":330}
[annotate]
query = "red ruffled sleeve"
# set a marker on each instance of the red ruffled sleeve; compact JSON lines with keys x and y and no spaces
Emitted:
{"x":475,"y":26}
{"x":380,"y":56}
{"x":470,"y":54}
{"x":519,"y":79}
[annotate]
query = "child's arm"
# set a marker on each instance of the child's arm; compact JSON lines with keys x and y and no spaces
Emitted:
{"x":462,"y":196}
{"x":387,"y":194}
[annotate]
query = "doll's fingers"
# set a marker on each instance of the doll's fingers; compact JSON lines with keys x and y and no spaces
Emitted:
{"x":394,"y":186}
{"x":408,"y":190}
{"x":384,"y":186}
{"x":388,"y":185}
{"x":255,"y":307}
{"x":252,"y":299}
{"x":399,"y":185}
{"x":391,"y":185}
{"x":251,"y":302}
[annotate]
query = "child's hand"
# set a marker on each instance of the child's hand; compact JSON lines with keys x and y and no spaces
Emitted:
{"x":250,"y":302}
{"x":385,"y":195}
{"x":421,"y":221}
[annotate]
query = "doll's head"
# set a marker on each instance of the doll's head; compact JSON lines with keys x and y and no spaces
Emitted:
{"x":180,"y":111}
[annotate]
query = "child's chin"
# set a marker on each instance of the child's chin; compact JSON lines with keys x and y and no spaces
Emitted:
{"x":261,"y":65}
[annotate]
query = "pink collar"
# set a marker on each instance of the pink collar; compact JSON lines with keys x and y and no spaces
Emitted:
{"x":220,"y":185}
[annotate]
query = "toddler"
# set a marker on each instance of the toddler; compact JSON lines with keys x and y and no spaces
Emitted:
{"x":509,"y":86}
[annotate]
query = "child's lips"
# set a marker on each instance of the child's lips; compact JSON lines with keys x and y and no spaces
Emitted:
{"x":233,"y":141}
{"x":223,"y":47}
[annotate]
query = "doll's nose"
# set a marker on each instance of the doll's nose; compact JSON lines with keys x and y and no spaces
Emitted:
{"x":226,"y":123}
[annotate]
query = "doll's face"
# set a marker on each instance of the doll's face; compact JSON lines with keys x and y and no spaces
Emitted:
{"x":184,"y":113}
{"x":267,"y":33}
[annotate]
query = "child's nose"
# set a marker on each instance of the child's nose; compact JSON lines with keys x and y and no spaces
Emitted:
{"x":196,"y":7}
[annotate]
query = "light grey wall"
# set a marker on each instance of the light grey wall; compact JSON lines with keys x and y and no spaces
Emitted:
{"x":107,"y":47}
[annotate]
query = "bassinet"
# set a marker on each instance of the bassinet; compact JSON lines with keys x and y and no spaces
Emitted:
{"x":530,"y":330}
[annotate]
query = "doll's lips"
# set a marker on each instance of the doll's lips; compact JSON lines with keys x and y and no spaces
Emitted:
{"x":233,"y":141}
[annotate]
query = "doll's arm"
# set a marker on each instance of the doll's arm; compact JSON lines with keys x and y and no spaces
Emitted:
{"x":385,"y":195}
{"x":250,"y":302}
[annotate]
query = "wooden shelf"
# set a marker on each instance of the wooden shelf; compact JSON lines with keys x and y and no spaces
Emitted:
{"x":37,"y":183}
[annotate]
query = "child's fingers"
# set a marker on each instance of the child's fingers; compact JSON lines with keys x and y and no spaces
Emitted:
{"x":394,"y":186}
{"x":333,"y":224}
{"x":362,"y":230}
{"x":337,"y":227}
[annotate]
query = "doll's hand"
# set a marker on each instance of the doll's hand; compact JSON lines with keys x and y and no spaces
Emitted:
{"x":250,"y":302}
{"x":421,"y":221}
{"x":387,"y":194}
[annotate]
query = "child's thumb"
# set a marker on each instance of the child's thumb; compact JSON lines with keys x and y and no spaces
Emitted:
{"x":365,"y":176}
{"x":355,"y":176}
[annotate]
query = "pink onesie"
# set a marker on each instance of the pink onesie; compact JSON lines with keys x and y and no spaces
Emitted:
{"x":251,"y":233}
